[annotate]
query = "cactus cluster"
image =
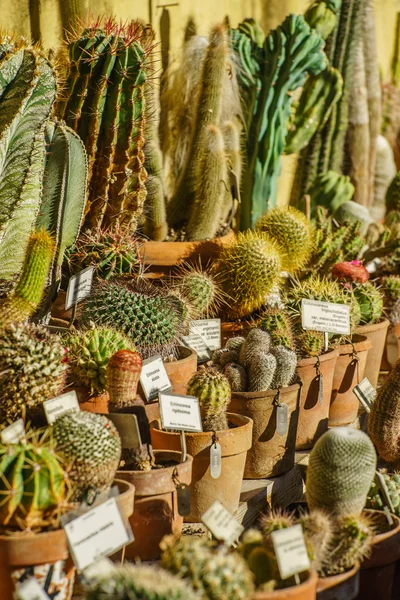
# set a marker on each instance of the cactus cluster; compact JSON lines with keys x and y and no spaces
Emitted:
{"x":32,"y":369}
{"x":352,"y":542}
{"x":212,"y":389}
{"x":371,"y":302}
{"x":374,"y":498}
{"x":201,"y":289}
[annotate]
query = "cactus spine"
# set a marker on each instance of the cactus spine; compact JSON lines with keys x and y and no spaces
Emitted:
{"x":277,"y":322}
{"x":123,"y":375}
{"x":213,"y":391}
{"x":370,"y":301}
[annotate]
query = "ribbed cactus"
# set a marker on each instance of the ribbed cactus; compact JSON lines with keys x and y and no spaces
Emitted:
{"x":91,"y":447}
{"x":370,"y":301}
{"x":33,"y":486}
{"x":89,"y":352}
{"x":330,"y":189}
{"x":27,"y":93}
{"x":310,"y":343}
{"x":103,"y":101}
{"x":249,"y":268}
{"x":201,"y":289}
{"x":214,"y":571}
{"x":340,"y":471}
{"x":256,"y":341}
{"x":237,"y":377}
{"x":286,"y":362}
{"x":28,"y":293}
{"x":321,"y":16}
{"x":261,"y":372}
{"x":123,"y":375}
{"x":213,"y":391}
{"x":277,"y":322}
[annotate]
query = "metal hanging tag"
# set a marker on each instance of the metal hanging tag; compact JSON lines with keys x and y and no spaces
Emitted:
{"x":183,"y":495}
{"x":320,"y":382}
{"x":282,"y":415}
{"x":215,"y":459}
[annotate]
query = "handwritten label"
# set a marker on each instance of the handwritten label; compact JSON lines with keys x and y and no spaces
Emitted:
{"x":290,"y":551}
{"x":325,"y":316}
{"x":61,"y":404}
{"x":154,"y":377}
{"x":13,"y":433}
{"x":209,"y":330}
{"x":128,"y":428}
{"x":196,"y":343}
{"x":366,"y":393}
{"x":97,"y":533}
{"x":79,"y":287}
{"x":180,"y":412}
{"x":31,"y":590}
{"x":222,"y":525}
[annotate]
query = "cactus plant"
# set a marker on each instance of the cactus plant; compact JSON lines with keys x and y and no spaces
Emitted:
{"x":353,"y":271}
{"x":103,"y":101}
{"x":393,"y":194}
{"x":89,"y":352}
{"x":123,"y":375}
{"x":261,"y":371}
{"x":352,"y":211}
{"x":214,"y":393}
{"x":33,"y":483}
{"x":321,"y":16}
{"x":257,"y":341}
{"x":370,"y":301}
{"x":374,"y":499}
{"x":310,"y":343}
{"x":91,"y":447}
{"x":214,"y":571}
{"x":201,"y":289}
{"x":286,"y":362}
{"x":352,"y":542}
{"x":249,"y":269}
{"x":340,"y":471}
{"x":330,"y":189}
{"x":237,"y":377}
{"x":33,"y":369}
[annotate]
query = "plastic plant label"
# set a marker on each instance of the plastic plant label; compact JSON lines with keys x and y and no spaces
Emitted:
{"x":290,"y":551}
{"x":325,"y":316}
{"x":31,"y":590}
{"x":209,"y":330}
{"x":128,"y":428}
{"x":180,"y":412}
{"x":13,"y":433}
{"x":154,"y":378}
{"x":222,"y":525}
{"x":79,"y":287}
{"x":282,"y":419}
{"x":215,"y":460}
{"x":366,"y":393}
{"x":61,"y":404}
{"x":196,"y":343}
{"x":320,"y":388}
{"x":97,"y":533}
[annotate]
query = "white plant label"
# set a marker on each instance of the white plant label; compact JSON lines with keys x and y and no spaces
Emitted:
{"x":13,"y":433}
{"x":180,"y":412}
{"x":196,"y":343}
{"x":325,"y":316}
{"x":79,"y":287}
{"x":209,"y":330}
{"x":154,"y":378}
{"x":222,"y":525}
{"x":366,"y":393}
{"x":128,"y":429}
{"x":282,"y":419}
{"x":61,"y":404}
{"x":96,"y":534}
{"x":215,"y":460}
{"x":31,"y":590}
{"x":290,"y":551}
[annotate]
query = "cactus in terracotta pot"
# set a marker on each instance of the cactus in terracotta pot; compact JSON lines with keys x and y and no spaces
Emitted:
{"x":277,"y":322}
{"x":213,"y":391}
{"x":352,"y":541}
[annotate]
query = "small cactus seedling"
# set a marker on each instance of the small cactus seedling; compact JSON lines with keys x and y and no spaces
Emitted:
{"x":213,"y":391}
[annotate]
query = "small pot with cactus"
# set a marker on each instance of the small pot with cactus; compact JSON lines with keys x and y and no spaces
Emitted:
{"x":233,"y":432}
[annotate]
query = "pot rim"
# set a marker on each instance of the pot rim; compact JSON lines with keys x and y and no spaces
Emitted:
{"x":360,"y":345}
{"x":331,"y":354}
{"x":380,"y":537}
{"x":267,"y":394}
{"x":383,"y":323}
{"x":311,"y":580}
{"x":337,"y":579}
{"x":161,"y":470}
{"x":186,"y":244}
{"x":186,"y":359}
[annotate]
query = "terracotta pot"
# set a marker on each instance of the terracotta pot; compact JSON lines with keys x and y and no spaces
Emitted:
{"x":344,"y":586}
{"x":377,"y":334}
{"x":234,"y":442}
{"x":307,"y":590}
{"x":230,"y":329}
{"x":126,"y":497}
{"x":396,"y":330}
{"x":88,"y":403}
{"x":377,"y":571}
{"x":348,"y":372}
{"x":162,"y":257}
{"x":42,"y":555}
{"x":270,"y":454}
{"x":58,"y":308}
{"x":313,"y":416}
{"x":156,"y":505}
{"x":181,"y":371}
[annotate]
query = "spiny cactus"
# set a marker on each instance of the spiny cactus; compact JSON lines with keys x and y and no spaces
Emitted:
{"x":32,"y":482}
{"x":310,"y":343}
{"x":123,"y":375}
{"x":261,"y":371}
{"x":237,"y":377}
{"x":286,"y":361}
{"x":340,"y":471}
{"x":235,"y":343}
{"x":352,"y":542}
{"x":27,"y":295}
{"x":351,"y":211}
{"x":150,"y":317}
{"x":374,"y":498}
{"x":33,"y":369}
{"x":103,"y":101}
{"x":330,"y":189}
{"x":257,"y":341}
{"x":393,"y":195}
{"x":89,"y":352}
{"x":249,"y":268}
{"x":214,"y":571}
{"x":370,"y":301}
{"x":277,"y":322}
{"x":139,"y":581}
{"x":213,"y":391}
{"x":91,"y":447}
{"x":201,"y":289}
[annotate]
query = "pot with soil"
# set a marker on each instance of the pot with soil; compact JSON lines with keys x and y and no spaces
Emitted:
{"x":349,"y":371}
{"x":344,"y":586}
{"x":306,"y":590}
{"x":377,"y":334}
{"x":314,"y":372}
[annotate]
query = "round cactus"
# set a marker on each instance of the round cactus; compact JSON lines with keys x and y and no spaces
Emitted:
{"x":235,"y":343}
{"x":293,"y":233}
{"x":214,"y":393}
{"x":276,"y":321}
{"x":310,"y":343}
{"x":201,"y":290}
{"x":340,"y":471}
{"x":237,"y":377}
{"x":370,"y":301}
{"x":123,"y":375}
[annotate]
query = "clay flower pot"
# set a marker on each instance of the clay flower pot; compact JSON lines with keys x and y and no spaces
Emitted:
{"x":126,"y":497}
{"x":181,"y":371}
{"x":156,"y":504}
{"x":307,"y":590}
{"x":344,"y":586}
{"x":88,"y":403}
{"x":234,"y":443}
{"x":41,"y":555}
{"x":270,"y":454}
{"x":376,"y":333}
{"x":313,"y":416}
{"x":348,"y":373}
{"x":377,"y":571}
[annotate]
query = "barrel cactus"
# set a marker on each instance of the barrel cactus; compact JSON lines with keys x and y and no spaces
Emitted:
{"x":370,"y":301}
{"x":123,"y":375}
{"x":277,"y":322}
{"x":201,"y":289}
{"x":213,"y":391}
{"x":310,"y":343}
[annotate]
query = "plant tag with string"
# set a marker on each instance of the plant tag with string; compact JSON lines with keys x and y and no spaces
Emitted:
{"x":79,"y":287}
{"x":282,"y":419}
{"x":31,"y":590}
{"x":56,"y":407}
{"x":366,"y":394}
{"x":290,"y":550}
{"x":215,"y":460}
{"x":154,"y":378}
{"x":14,"y":433}
{"x":222,"y":524}
{"x":320,"y":389}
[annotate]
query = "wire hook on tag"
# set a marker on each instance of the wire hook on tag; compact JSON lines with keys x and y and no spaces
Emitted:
{"x":183,"y":495}
{"x":356,"y":359}
{"x":277,"y":399}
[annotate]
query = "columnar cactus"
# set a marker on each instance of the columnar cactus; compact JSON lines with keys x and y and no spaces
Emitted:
{"x":256,"y":341}
{"x":286,"y":362}
{"x":352,"y":541}
{"x":123,"y":375}
{"x":277,"y":322}
{"x":340,"y":471}
{"x":330,"y":189}
{"x":374,"y":498}
{"x":393,"y":195}
{"x":213,"y":391}
{"x":237,"y":377}
{"x":261,"y":371}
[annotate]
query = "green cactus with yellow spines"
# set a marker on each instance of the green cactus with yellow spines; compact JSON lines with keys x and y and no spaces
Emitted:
{"x":310,"y":343}
{"x":214,"y":393}
{"x":371,"y":302}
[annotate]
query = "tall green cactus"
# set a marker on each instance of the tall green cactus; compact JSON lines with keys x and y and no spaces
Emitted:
{"x":27,"y":93}
{"x":104,"y":103}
